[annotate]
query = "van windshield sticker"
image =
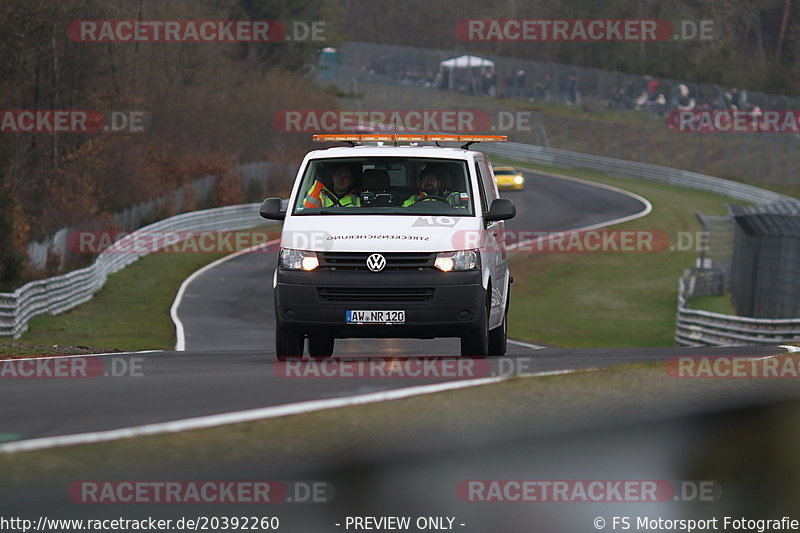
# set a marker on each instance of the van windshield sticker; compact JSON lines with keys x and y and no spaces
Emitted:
{"x":380,"y":237}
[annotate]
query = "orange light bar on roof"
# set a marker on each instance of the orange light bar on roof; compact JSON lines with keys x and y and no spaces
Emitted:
{"x":406,"y":137}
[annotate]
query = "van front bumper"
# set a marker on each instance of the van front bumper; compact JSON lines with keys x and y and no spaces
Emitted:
{"x":436,"y":304}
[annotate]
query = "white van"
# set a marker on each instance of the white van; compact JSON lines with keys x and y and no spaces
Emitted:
{"x":372,"y":246}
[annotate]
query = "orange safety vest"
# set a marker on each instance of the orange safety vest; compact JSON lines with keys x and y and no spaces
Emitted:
{"x":313,"y":197}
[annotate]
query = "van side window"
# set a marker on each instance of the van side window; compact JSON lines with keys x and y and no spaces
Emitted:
{"x":481,"y":191}
{"x":487,"y":182}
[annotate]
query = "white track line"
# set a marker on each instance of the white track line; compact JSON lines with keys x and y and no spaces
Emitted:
{"x":236,"y":417}
{"x":527,"y":344}
{"x":263,"y":413}
{"x":77,"y":355}
{"x":180,"y":335}
{"x":252,"y":415}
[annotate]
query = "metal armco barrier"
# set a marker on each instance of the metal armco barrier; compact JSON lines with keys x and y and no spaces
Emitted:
{"x":632,"y":169}
{"x":694,"y":327}
{"x":704,"y":328}
{"x":61,"y":293}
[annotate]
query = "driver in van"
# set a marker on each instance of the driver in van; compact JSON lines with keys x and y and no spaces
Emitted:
{"x":430,"y":184}
{"x":343,"y":192}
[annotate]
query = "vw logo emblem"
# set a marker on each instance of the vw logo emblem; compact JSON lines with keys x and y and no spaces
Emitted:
{"x":376,"y":262}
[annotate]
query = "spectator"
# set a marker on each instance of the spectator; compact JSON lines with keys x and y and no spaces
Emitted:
{"x":652,"y":88}
{"x":519,"y":83}
{"x":617,"y":99}
{"x":684,"y":101}
{"x":735,"y":99}
{"x":573,"y":90}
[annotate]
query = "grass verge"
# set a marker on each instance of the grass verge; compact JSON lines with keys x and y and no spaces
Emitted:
{"x":609,"y":299}
{"x":716,"y":304}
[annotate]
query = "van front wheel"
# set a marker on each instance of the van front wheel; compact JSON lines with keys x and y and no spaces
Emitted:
{"x":476,"y":343}
{"x":320,"y":346}
{"x":288,"y":344}
{"x":498,"y":337}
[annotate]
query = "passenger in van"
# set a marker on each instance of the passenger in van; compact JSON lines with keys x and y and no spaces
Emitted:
{"x":431,"y":180}
{"x":341,"y":194}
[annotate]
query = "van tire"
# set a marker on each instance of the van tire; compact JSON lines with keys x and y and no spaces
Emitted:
{"x":288,"y":344}
{"x":498,"y":338}
{"x":320,"y":346}
{"x":476,"y":344}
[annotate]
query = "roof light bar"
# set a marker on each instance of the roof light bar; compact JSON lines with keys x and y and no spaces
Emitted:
{"x":406,"y":137}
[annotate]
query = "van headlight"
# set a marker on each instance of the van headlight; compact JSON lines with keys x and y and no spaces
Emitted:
{"x":298,"y":259}
{"x":461,"y":260}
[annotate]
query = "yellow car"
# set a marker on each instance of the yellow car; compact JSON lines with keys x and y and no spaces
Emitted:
{"x":509,"y":178}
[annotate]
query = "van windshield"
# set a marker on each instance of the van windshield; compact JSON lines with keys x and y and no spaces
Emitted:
{"x":385,"y":185}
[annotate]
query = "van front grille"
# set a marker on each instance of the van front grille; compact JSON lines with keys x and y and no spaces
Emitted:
{"x":373,"y":295}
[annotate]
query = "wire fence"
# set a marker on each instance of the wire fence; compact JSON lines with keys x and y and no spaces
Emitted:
{"x":585,"y":110}
{"x":545,"y":81}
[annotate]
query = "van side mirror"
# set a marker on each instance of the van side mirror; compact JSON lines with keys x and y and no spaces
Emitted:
{"x":501,"y":209}
{"x":271,"y":209}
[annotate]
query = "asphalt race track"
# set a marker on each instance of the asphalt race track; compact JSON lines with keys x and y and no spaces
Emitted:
{"x":229,"y":362}
{"x":230,"y":307}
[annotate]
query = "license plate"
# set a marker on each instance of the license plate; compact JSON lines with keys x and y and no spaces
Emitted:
{"x":376,"y":317}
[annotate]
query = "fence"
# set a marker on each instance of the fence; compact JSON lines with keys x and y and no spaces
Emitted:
{"x":704,"y":328}
{"x":765,"y":276}
{"x":60,"y":293}
{"x":396,"y":77}
{"x":541,"y":80}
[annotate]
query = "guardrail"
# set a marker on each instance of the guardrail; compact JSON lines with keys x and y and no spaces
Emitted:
{"x":60,"y":293}
{"x":704,"y":328}
{"x":632,"y":169}
{"x":694,"y":327}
